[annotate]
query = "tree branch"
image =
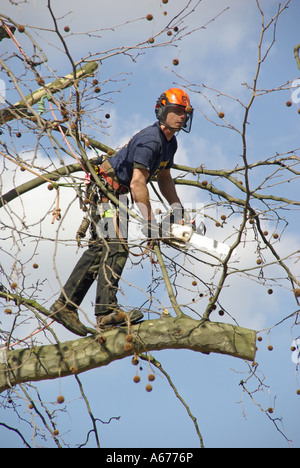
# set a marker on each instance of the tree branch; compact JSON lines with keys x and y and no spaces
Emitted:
{"x":59,"y":360}
{"x":20,"y":108}
{"x":167,"y":281}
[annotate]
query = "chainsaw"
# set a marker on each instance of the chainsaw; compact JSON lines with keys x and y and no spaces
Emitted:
{"x":188,"y":236}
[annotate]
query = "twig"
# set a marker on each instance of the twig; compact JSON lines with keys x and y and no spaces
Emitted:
{"x":89,"y":411}
{"x":158,"y":365}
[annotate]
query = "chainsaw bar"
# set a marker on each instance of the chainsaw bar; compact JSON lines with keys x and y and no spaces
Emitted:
{"x":202,"y":242}
{"x":184,"y":237}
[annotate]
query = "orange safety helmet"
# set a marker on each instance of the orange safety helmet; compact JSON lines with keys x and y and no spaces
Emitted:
{"x":174,"y":97}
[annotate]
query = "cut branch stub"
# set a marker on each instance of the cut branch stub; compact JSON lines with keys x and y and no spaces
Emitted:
{"x":20,"y":108}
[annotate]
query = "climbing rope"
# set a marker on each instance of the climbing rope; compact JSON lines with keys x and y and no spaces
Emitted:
{"x":66,"y":140}
{"x":10,"y":34}
{"x":82,"y":230}
{"x":27,"y":337}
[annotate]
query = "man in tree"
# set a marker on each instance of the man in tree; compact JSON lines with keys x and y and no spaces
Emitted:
{"x":148,"y":154}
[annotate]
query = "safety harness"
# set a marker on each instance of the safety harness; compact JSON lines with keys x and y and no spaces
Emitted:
{"x":106,"y":171}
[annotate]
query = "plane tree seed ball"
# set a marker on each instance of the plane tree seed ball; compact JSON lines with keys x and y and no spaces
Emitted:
{"x":135,"y":360}
{"x":297,"y":292}
{"x":128,"y":347}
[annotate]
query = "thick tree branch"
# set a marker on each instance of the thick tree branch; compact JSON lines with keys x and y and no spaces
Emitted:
{"x":59,"y":360}
{"x":36,"y":182}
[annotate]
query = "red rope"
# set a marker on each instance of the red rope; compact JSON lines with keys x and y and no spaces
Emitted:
{"x":7,"y":29}
{"x":66,"y":140}
{"x":29,"y":336}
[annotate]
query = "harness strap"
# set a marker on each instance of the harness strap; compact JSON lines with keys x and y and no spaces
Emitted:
{"x":104,"y":169}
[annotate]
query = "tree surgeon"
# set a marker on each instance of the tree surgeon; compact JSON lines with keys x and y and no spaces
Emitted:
{"x":150,"y":153}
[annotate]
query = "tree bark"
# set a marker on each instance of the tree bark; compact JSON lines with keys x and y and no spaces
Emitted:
{"x":59,"y":360}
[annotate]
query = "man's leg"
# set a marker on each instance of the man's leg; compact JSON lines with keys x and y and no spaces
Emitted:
{"x":112,"y":263}
{"x":113,"y":260}
{"x":83,"y":274}
{"x":64,"y":309}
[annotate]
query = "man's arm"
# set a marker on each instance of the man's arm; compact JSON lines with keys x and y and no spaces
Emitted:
{"x":168,"y":190}
{"x":140,"y":193}
{"x":167,"y":187}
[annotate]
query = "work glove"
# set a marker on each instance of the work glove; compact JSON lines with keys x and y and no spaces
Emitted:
{"x":180,"y":215}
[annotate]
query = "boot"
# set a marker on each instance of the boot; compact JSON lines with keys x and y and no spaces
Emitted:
{"x":68,"y":317}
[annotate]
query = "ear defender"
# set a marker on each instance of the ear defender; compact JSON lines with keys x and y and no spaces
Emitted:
{"x":160,"y":106}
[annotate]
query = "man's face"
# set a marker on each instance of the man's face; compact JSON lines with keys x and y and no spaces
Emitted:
{"x":176,"y":117}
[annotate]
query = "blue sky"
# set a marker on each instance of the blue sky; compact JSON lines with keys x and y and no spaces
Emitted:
{"x":222,"y":56}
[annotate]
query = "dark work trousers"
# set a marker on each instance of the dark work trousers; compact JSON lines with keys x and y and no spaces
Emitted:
{"x":105,"y":260}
